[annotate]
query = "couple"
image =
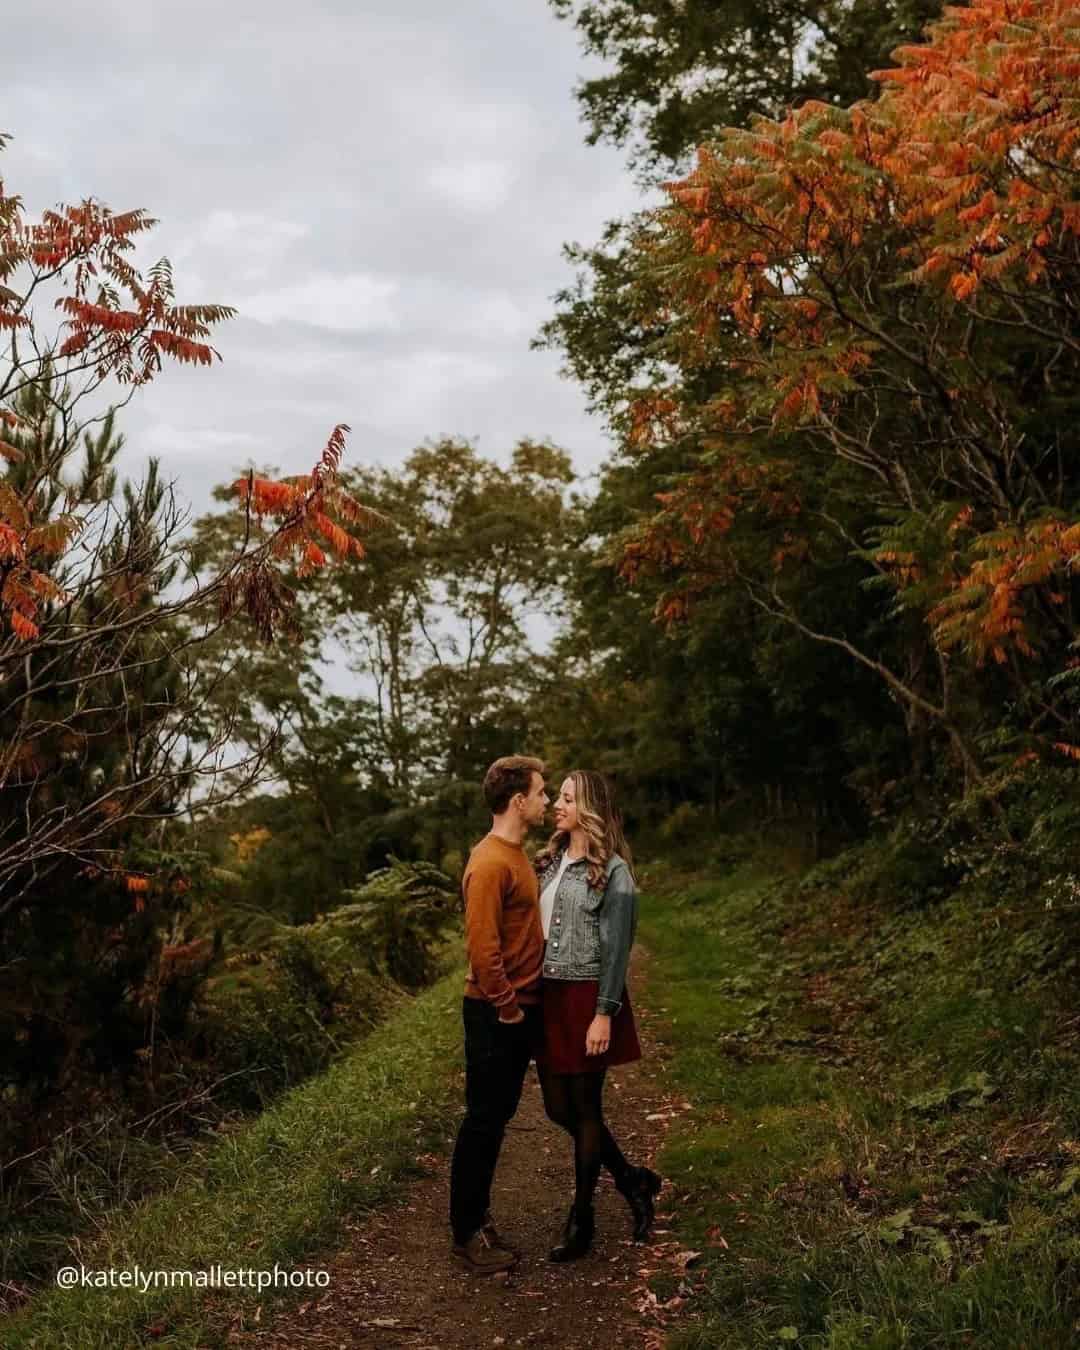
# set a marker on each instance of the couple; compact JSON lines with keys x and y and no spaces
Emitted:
{"x":548,"y":943}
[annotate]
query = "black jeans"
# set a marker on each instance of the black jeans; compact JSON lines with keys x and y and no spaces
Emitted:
{"x":497,"y":1058}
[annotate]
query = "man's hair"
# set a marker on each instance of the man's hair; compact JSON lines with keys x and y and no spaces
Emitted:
{"x":512,"y":773}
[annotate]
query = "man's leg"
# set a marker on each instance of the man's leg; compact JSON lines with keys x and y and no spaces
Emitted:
{"x":496,"y":1060}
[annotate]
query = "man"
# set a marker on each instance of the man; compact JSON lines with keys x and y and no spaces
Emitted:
{"x":501,"y":1008}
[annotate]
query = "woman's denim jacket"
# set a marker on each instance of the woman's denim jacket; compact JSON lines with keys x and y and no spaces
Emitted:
{"x":591,"y":931}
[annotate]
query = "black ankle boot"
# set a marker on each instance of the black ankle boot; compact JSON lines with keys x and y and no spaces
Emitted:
{"x":577,"y":1235}
{"x":639,"y":1187}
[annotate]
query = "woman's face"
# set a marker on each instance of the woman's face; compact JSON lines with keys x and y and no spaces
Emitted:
{"x":566,"y":817}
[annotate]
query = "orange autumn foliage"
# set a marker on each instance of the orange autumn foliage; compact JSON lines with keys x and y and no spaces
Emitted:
{"x":119,"y":325}
{"x":776,"y":264}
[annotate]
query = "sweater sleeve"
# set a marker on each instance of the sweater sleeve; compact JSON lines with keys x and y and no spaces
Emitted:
{"x":485,"y":887}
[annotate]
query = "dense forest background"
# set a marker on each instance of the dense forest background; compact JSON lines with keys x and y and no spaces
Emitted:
{"x":827,"y":576}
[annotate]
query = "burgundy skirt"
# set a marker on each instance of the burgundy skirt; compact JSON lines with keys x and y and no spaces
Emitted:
{"x":569,"y":1008}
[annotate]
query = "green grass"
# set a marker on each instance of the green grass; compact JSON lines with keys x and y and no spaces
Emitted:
{"x":886,"y":1106}
{"x":885,"y":1132}
{"x":276,"y":1191}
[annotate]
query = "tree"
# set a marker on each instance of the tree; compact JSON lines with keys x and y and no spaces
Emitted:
{"x":884,"y":298}
{"x":104,"y":736}
{"x":676,"y":75}
{"x":679,"y":74}
{"x":437,"y":626}
{"x":727,"y":710}
{"x":438,"y":620}
{"x":680,"y":71}
{"x":81,"y":595}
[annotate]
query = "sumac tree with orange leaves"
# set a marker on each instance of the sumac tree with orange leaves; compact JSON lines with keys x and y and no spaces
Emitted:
{"x":104,"y":733}
{"x":871,"y":315}
{"x":80,"y":584}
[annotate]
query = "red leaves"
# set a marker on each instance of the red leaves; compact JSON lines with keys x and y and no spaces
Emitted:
{"x":331,"y":456}
{"x":183,"y":349}
{"x":266,"y":497}
{"x":19,"y":593}
{"x":652,"y":418}
{"x":936,"y":153}
{"x":138,"y":886}
{"x":126,"y":327}
{"x":24,"y":586}
{"x":75,"y":343}
{"x":962,"y":284}
{"x":117,"y":323}
{"x":21,"y":626}
{"x":794,"y":259}
{"x":89,"y":316}
{"x":792,"y":404}
{"x":340,"y":542}
{"x":302,"y":503}
{"x":11,"y":545}
{"x":986,"y":606}
{"x":52,"y":537}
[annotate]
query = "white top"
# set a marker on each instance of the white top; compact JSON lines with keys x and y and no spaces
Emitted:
{"x":547,"y":895}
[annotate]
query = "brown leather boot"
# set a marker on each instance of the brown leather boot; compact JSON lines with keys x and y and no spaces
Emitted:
{"x":496,"y":1237}
{"x":482,"y":1256}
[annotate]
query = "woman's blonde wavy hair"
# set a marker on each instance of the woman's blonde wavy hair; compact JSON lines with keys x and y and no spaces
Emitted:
{"x":601,"y":822}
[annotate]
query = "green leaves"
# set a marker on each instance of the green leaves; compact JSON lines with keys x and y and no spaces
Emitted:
{"x":975,"y":1090}
{"x":893,"y":1229}
{"x":676,"y":73}
{"x":1068,"y":1182}
{"x":901,"y":1227}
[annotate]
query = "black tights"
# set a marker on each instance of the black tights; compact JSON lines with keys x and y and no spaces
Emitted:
{"x":575,"y":1101}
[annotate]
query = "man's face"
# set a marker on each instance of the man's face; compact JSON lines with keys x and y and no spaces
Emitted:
{"x":535,"y":804}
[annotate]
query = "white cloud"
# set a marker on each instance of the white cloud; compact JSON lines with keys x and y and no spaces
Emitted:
{"x":243,"y":246}
{"x":382,"y":191}
{"x":168,"y":438}
{"x":354,"y":303}
{"x":475,"y":184}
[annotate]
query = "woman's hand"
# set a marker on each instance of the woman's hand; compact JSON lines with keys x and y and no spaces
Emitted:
{"x":598,"y":1036}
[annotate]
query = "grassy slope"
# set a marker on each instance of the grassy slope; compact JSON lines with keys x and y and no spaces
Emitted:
{"x":275,"y":1192}
{"x":819,"y":1036}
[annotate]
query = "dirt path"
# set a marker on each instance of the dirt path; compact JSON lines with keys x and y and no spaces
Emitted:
{"x":396,"y":1286}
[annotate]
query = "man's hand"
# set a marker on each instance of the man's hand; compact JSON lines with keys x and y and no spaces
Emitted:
{"x":598,"y":1036}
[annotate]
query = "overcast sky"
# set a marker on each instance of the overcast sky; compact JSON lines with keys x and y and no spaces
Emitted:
{"x":381,"y":190}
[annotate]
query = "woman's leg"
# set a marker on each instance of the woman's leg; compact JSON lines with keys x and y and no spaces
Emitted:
{"x":570,"y":1096}
{"x":594,"y":1144}
{"x":556,"y":1092}
{"x":575,"y":1101}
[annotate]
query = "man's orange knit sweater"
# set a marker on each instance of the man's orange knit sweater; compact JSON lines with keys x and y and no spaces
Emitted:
{"x":504,"y":938}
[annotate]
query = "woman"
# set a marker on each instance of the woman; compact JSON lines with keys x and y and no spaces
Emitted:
{"x":588,"y":910}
